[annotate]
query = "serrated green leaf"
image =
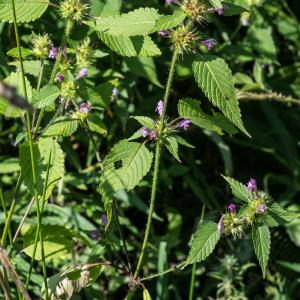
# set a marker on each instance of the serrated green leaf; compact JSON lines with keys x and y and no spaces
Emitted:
{"x":238,"y":189}
{"x":135,"y":135}
{"x":203,"y":242}
{"x":26,"y":10}
{"x":190,"y":109}
{"x":45,"y":96}
{"x":57,"y":241}
{"x":280,"y":216}
{"x":215,"y":79}
{"x":96,"y":124}
{"x":167,"y":22}
{"x":62,"y":126}
{"x":183,"y":142}
{"x":262,"y":243}
{"x":140,"y":21}
{"x":41,"y":151}
{"x":123,"y":168}
{"x":15,"y":80}
{"x":145,"y":121}
{"x":172,"y":145}
{"x":99,"y":96}
{"x":130,"y":46}
{"x":14,"y":52}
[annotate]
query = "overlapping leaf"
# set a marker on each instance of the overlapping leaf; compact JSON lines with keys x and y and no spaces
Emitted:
{"x":41,"y":152}
{"x":262,"y":243}
{"x":204,"y":242}
{"x":215,"y":79}
{"x":62,"y":126}
{"x":26,"y":10}
{"x":124,"y":168}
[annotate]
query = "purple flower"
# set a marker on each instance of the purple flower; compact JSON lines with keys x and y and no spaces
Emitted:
{"x":115,"y":92}
{"x":185,"y":123}
{"x":60,"y":77}
{"x":261,"y":208}
{"x":251,"y":185}
{"x":53,"y":53}
{"x":153,"y":134}
{"x":231,"y":208}
{"x":145,"y":131}
{"x":94,"y":234}
{"x":164,"y":33}
{"x":221,"y":225}
{"x":169,"y":2}
{"x":104,"y":220}
{"x":219,"y":10}
{"x":209,"y":43}
{"x":82,"y":73}
{"x":160,"y":107}
{"x":84,"y":107}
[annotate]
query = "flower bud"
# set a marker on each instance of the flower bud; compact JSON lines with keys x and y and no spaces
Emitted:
{"x":185,"y":124}
{"x":53,"y":53}
{"x":164,"y":33}
{"x":160,"y":107}
{"x":145,"y":131}
{"x":261,"y":209}
{"x":60,"y":77}
{"x":84,"y":107}
{"x":221,"y":225}
{"x":231,"y":208}
{"x":153,"y":134}
{"x":94,"y":234}
{"x":82,"y":73}
{"x":251,"y":185}
{"x":104,"y":220}
{"x":209,"y":44}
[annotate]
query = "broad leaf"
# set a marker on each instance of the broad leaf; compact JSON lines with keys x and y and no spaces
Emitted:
{"x":57,"y":242}
{"x":45,"y":97}
{"x":9,"y":109}
{"x":262,"y":243}
{"x":41,"y":152}
{"x":190,"y":109}
{"x":204,"y":242}
{"x":130,"y":46}
{"x":172,"y":145}
{"x":9,"y":165}
{"x":215,"y":79}
{"x":26,"y":10}
{"x":123,"y":168}
{"x":280,"y":216}
{"x":140,"y":21}
{"x":167,"y":22}
{"x":145,"y":121}
{"x":238,"y":189}
{"x":62,"y":126}
{"x":96,"y":124}
{"x":14,"y":52}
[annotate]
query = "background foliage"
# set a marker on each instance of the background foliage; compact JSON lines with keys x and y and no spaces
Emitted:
{"x":262,"y":50}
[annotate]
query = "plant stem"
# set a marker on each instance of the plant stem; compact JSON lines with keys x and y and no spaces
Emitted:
{"x":34,"y":178}
{"x":193,"y":275}
{"x":158,"y":152}
{"x":11,"y":212}
{"x":3,"y":202}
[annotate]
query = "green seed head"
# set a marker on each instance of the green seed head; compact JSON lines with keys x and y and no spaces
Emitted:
{"x":73,"y":10}
{"x":41,"y":45}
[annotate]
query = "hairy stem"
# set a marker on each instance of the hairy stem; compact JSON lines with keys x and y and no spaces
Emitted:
{"x":34,"y":178}
{"x":158,"y":152}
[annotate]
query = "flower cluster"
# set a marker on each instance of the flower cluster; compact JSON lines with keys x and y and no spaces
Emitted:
{"x":41,"y":45}
{"x":73,"y":10}
{"x":83,"y":54}
{"x":195,"y":9}
{"x":234,"y":223}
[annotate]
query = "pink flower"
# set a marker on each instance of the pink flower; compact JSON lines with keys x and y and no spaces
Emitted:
{"x":84,"y":107}
{"x":164,"y":33}
{"x":82,"y":73}
{"x":160,"y":107}
{"x":185,"y":123}
{"x":209,"y":43}
{"x":261,"y":209}
{"x":221,"y":225}
{"x":145,"y":131}
{"x":251,"y":186}
{"x":53,"y":53}
{"x":231,"y":208}
{"x":60,"y":77}
{"x":153,"y":134}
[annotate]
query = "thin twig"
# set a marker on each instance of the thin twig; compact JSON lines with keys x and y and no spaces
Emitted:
{"x":23,"y":219}
{"x":269,"y":96}
{"x":11,"y":270}
{"x":5,"y":288}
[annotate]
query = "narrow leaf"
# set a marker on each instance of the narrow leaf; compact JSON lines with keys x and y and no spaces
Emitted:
{"x":262,"y":243}
{"x":204,"y":242}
